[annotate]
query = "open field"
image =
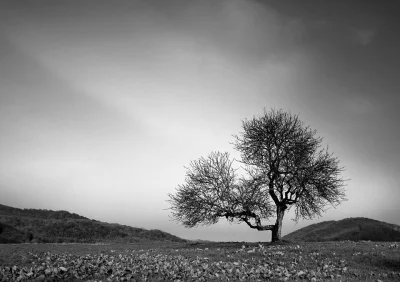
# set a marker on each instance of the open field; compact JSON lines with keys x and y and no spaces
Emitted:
{"x":328,"y":261}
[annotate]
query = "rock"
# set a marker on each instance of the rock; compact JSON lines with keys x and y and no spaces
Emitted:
{"x":300,"y":273}
{"x":62,"y":269}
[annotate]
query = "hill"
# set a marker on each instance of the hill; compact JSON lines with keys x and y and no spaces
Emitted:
{"x":9,"y":234}
{"x":34,"y":225}
{"x":353,"y":229}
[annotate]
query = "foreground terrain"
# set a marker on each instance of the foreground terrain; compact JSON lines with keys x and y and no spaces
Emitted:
{"x":331,"y":261}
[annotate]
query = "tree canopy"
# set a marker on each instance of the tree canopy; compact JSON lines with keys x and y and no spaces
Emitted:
{"x":284,"y":166}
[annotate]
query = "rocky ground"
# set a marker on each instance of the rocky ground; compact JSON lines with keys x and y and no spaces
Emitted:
{"x":329,"y":261}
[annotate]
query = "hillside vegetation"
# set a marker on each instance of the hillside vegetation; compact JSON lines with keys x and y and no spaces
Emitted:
{"x":353,"y":229}
{"x":33,"y":225}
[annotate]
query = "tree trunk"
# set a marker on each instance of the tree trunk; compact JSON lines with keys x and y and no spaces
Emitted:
{"x":276,"y":231}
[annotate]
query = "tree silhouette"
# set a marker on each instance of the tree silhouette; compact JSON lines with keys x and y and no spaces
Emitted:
{"x":284,"y":167}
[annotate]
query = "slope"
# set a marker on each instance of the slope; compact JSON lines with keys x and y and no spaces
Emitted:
{"x":33,"y":225}
{"x":353,"y":229}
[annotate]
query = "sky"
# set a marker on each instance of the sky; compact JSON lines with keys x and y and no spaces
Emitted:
{"x":104,"y":103}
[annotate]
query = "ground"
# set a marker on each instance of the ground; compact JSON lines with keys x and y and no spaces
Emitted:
{"x":239,"y":261}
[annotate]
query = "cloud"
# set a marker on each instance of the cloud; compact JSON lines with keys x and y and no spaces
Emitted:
{"x":363,"y":36}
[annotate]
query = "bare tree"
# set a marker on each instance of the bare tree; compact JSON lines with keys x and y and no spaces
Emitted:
{"x":285,"y":166}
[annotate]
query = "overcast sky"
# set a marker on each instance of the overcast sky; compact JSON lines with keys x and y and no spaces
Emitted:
{"x":103,"y":103}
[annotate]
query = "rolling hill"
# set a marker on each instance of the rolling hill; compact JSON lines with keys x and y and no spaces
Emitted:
{"x":353,"y":229}
{"x":46,"y":226}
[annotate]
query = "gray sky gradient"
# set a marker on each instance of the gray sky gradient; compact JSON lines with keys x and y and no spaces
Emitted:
{"x":103,"y":103}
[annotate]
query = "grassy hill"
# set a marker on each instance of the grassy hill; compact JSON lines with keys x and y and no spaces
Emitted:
{"x":9,"y":234}
{"x":33,"y":225}
{"x":353,"y":229}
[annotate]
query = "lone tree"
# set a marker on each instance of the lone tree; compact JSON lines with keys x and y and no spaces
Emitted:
{"x":284,"y":167}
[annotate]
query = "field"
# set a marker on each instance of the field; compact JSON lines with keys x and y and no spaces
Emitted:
{"x":328,"y":261}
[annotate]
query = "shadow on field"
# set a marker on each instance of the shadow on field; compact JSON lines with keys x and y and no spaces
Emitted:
{"x":392,"y":264}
